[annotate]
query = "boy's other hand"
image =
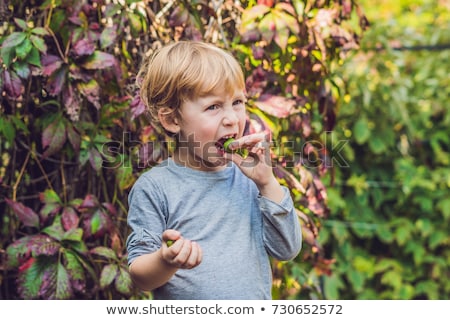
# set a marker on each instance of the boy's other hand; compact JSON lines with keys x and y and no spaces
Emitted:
{"x":181,"y":253}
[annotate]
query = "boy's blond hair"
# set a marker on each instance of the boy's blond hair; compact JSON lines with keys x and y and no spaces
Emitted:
{"x":185,"y":70}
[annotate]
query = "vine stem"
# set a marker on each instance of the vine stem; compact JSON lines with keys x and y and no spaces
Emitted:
{"x":42,"y":169}
{"x":19,"y":178}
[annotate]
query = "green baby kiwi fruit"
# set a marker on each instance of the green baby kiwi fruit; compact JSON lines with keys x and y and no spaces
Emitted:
{"x":242,"y":152}
{"x":169,"y":242}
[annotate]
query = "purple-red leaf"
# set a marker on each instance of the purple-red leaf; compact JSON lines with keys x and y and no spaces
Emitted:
{"x":12,"y":84}
{"x":69,"y":218}
{"x":54,"y":137}
{"x":84,"y":47}
{"x":95,"y":159}
{"x":56,"y":82}
{"x":74,"y":137}
{"x":137,"y":107}
{"x":90,"y":201}
{"x":109,"y":206}
{"x":99,"y":60}
{"x":25,"y":214}
{"x":91,"y":90}
{"x":50,"y":63}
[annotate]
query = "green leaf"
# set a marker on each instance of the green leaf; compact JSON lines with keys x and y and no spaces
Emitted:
{"x":34,"y":58}
{"x":24,"y":48}
{"x":357,"y":280}
{"x":7,"y":55}
{"x":108,"y":274}
{"x":361,"y":130}
{"x":63,"y":287}
{"x":39,"y":43}
{"x":74,"y":266}
{"x":124,"y":176}
{"x":438,"y":238}
{"x":31,"y":280}
{"x":104,"y":252}
{"x":96,"y":222}
{"x":75,"y":234}
{"x":443,"y":206}
{"x":50,"y":196}
{"x":332,"y":284}
{"x":14,"y":39}
{"x":377,"y":145}
{"x":55,"y":230}
{"x":21,"y":23}
{"x":123,"y":282}
{"x":7,"y":129}
{"x":40,"y":31}
{"x":392,"y":278}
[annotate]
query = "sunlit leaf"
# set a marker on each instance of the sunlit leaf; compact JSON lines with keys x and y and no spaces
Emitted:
{"x":39,"y":43}
{"x":278,"y":106}
{"x":108,"y":274}
{"x":23,"y":48}
{"x":99,"y":60}
{"x":108,"y":37}
{"x":104,"y":252}
{"x":14,"y":39}
{"x":123,"y":281}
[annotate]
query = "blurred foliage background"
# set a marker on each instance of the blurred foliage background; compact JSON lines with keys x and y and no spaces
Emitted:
{"x":355,"y":94}
{"x":388,"y":230}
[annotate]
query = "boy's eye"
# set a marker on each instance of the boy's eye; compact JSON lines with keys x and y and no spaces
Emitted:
{"x":213,"y":107}
{"x":237,"y":102}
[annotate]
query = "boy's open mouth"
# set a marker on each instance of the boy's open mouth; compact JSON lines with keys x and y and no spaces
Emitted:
{"x":221,"y":141}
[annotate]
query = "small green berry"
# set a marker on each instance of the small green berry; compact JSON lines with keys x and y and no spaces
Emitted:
{"x":242,"y":152}
{"x":169,"y":242}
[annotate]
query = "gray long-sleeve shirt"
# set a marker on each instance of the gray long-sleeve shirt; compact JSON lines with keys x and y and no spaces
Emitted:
{"x":223,"y":212}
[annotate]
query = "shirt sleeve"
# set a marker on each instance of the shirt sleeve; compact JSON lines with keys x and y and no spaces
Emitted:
{"x":281,"y":227}
{"x":146,"y":219}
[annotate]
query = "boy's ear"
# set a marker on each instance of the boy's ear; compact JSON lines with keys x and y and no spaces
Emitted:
{"x":168,"y":120}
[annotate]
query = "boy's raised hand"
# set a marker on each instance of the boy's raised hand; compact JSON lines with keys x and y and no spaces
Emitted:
{"x":180,"y":252}
{"x":257,"y":165}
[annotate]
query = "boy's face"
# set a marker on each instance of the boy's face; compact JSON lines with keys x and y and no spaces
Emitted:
{"x":205,"y":123}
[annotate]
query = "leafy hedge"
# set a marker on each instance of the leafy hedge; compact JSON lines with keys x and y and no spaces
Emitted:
{"x":390,"y":207}
{"x":74,"y":135}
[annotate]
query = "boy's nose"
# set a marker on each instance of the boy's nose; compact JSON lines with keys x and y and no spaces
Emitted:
{"x":230,"y":118}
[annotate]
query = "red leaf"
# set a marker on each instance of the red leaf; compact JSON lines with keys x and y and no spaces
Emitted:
{"x":25,"y":266}
{"x":25,"y":214}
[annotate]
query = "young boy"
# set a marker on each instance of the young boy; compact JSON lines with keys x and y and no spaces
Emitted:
{"x":224,"y":213}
